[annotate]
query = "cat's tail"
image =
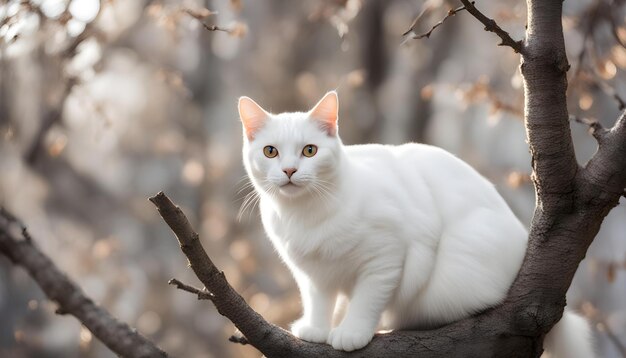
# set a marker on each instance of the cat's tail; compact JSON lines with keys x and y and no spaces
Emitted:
{"x":569,"y":338}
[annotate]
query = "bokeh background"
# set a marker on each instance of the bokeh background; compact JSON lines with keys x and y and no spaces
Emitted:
{"x":105,"y":103}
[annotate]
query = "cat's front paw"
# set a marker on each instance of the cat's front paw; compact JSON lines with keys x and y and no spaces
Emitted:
{"x":305,"y":331}
{"x":349,"y":339}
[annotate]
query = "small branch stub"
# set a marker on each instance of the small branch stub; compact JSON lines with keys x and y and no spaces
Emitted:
{"x":202,"y":294}
{"x":238,"y":339}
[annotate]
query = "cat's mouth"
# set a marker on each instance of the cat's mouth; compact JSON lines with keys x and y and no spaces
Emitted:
{"x":290,"y":189}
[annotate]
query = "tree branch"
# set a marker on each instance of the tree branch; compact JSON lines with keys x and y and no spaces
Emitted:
{"x":450,"y":13}
{"x":227,"y":301}
{"x":453,"y":340}
{"x":571,"y":201}
{"x":492,"y":26}
{"x":116,"y":335}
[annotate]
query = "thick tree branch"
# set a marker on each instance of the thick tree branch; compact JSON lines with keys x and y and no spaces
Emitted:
{"x":492,"y":26}
{"x":116,"y":335}
{"x":571,"y":201}
{"x":478,"y":334}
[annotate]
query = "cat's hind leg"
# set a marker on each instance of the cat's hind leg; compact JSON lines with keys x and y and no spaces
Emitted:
{"x":477,"y":260}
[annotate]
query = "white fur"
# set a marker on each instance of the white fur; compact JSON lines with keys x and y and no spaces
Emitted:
{"x":412,"y":235}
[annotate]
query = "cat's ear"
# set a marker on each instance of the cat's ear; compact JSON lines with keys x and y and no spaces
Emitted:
{"x":326,"y":112}
{"x":252,"y":116}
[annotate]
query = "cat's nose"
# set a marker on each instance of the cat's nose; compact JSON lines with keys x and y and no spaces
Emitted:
{"x":290,"y":171}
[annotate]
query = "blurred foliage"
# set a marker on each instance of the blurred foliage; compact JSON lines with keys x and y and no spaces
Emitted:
{"x":104,"y":103}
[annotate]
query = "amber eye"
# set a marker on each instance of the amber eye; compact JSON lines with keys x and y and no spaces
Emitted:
{"x":309,"y":150}
{"x":270,"y":151}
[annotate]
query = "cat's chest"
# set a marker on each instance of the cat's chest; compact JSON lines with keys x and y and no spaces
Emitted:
{"x":305,"y":241}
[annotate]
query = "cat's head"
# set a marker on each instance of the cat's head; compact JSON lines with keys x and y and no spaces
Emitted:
{"x":291,"y":154}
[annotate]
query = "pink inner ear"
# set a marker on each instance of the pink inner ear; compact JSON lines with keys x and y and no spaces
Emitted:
{"x":326,"y":112}
{"x":252,"y":116}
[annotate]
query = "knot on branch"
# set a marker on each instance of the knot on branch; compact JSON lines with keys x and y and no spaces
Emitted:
{"x":491,"y":25}
{"x":534,"y":318}
{"x":562,"y":64}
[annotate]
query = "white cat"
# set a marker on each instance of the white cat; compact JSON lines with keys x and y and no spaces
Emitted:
{"x":410,"y":234}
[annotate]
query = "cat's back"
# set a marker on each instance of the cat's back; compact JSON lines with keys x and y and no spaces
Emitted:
{"x":382,"y":155}
{"x":407,"y":158}
{"x":427,"y":169}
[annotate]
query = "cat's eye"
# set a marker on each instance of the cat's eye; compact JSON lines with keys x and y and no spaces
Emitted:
{"x":270,"y":151}
{"x":309,"y":150}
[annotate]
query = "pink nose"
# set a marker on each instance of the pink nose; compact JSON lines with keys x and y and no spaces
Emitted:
{"x":289,"y":172}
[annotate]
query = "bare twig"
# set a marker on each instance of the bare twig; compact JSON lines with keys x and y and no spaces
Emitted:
{"x":595,"y":128}
{"x":216,"y":28}
{"x":450,"y":13}
{"x":492,"y":26}
{"x":202,"y":294}
{"x":200,"y":16}
{"x":416,"y":20}
{"x":116,"y":335}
